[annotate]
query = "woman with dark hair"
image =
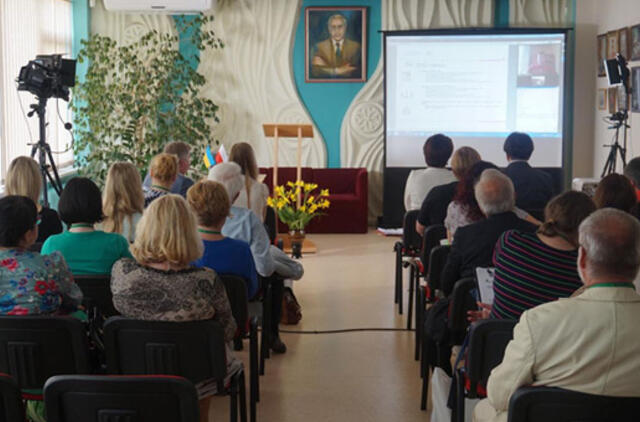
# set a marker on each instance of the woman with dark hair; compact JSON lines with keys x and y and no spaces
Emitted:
{"x":464,"y":209}
{"x":30,"y":283}
{"x":536,"y":268}
{"x":615,"y":191}
{"x":86,"y":250}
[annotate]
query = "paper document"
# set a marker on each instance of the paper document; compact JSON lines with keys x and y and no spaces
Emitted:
{"x":485,"y":284}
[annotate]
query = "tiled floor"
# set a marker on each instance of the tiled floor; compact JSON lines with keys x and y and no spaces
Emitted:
{"x":361,"y":376}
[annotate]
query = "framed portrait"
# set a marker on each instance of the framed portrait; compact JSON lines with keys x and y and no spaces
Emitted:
{"x":635,"y":89}
{"x":612,"y":44}
{"x":612,"y":99}
{"x":622,"y":99}
{"x":335,"y":44}
{"x":624,"y":43}
{"x":634,"y":35}
{"x":602,"y":54}
{"x":602,"y":99}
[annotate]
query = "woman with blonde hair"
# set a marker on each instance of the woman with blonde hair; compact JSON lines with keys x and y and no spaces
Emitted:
{"x":24,"y":179}
{"x":160,"y":284}
{"x":254,"y":195}
{"x":123,"y":200}
{"x":163,"y":171}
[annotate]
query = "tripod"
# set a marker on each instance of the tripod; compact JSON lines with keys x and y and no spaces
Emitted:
{"x":43,"y":150}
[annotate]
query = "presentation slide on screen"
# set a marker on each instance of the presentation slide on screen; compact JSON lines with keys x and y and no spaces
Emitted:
{"x":476,"y":89}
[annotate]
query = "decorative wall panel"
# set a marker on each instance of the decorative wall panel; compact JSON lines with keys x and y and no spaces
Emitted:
{"x":551,"y":13}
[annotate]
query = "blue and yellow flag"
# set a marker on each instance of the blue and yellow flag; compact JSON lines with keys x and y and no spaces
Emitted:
{"x":208,"y":157}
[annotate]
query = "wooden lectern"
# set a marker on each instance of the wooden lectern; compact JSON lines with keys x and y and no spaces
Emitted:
{"x":277,"y":131}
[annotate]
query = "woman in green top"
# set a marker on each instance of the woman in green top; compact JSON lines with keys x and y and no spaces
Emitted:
{"x":86,"y":250}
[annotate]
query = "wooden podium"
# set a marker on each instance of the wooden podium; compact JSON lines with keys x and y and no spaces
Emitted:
{"x":277,"y":131}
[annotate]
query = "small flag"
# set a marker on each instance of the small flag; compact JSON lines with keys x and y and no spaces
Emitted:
{"x":208,"y":157}
{"x":221,"y":156}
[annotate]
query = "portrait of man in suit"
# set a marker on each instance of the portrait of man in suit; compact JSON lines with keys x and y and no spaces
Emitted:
{"x":335,"y":44}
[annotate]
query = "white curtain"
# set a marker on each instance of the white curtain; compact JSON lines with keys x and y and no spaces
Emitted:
{"x":29,"y":28}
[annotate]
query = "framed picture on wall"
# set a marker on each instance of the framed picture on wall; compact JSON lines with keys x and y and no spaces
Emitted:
{"x":635,"y":89}
{"x":602,"y":54}
{"x":612,"y":100}
{"x":602,"y":99}
{"x":335,"y":44}
{"x":624,"y":43}
{"x":612,"y":44}
{"x":634,"y":35}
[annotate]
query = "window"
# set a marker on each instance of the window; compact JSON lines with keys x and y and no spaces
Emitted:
{"x":29,"y":28}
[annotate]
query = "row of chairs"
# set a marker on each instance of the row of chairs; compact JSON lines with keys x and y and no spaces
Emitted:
{"x":33,"y":349}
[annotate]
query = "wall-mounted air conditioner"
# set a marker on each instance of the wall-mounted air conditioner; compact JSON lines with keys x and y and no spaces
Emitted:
{"x":174,"y":7}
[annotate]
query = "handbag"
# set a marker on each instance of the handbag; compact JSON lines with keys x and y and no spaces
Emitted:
{"x":291,"y":309}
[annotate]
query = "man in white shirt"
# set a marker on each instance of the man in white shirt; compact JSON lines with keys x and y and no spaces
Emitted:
{"x":437,"y":151}
{"x":588,"y":343}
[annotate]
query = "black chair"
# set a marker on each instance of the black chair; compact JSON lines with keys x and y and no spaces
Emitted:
{"x":488,"y":340}
{"x":461,"y":302}
{"x":236,"y":289}
{"x":408,"y":247}
{"x":270,"y":223}
{"x":11,"y":407}
{"x":34,"y":348}
{"x":194,"y":350}
{"x":36,"y":247}
{"x":96,"y":290}
{"x":73,"y":398}
{"x":548,"y":404}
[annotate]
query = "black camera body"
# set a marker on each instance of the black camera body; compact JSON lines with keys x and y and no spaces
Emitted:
{"x":48,"y":76}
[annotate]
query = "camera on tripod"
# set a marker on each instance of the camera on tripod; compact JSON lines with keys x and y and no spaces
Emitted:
{"x":619,"y":116}
{"x":48,"y":76}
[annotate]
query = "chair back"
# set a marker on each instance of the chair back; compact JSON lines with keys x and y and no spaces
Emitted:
{"x":461,"y":302}
{"x":544,"y":404}
{"x":11,"y":408}
{"x":270,"y":223}
{"x":36,"y":247}
{"x":72,"y":398}
{"x":236,"y":289}
{"x":437,"y":260}
{"x":34,"y":348}
{"x":194,"y":349}
{"x":410,"y":238}
{"x":96,"y":290}
{"x":488,"y":340}
{"x":430,"y":239}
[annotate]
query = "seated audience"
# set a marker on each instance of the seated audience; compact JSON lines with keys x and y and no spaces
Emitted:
{"x":254,"y":195}
{"x":437,"y":150}
{"x":434,"y":207}
{"x":534,"y":188}
{"x":271,"y":262}
{"x":123,"y":200}
{"x":24,"y":178}
{"x":86,"y":250}
{"x":632,"y":172}
{"x":31,"y":283}
{"x":210,"y":202}
{"x":587,"y":343}
{"x":163,"y":172}
{"x":182,"y":183}
{"x":536,"y":268}
{"x":615,"y":191}
{"x":161,"y":285}
{"x":473,"y":244}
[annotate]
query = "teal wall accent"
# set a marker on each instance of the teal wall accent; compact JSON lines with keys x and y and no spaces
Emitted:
{"x":501,"y":13}
{"x":327,"y":102}
{"x":81,"y":20}
{"x":188,"y":50}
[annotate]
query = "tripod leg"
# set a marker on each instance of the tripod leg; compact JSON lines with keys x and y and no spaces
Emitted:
{"x":57,"y":184}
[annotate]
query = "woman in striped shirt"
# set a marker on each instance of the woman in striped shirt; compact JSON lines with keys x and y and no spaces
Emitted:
{"x":536,"y":268}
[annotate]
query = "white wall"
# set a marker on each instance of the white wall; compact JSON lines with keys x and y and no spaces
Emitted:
{"x":595,"y":17}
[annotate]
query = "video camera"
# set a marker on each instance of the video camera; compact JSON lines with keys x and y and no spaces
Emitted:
{"x":48,"y":76}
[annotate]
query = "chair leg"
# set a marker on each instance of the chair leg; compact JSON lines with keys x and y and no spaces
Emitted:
{"x":243,"y":398}
{"x":265,"y":337}
{"x":418,"y":322}
{"x":233,"y":399}
{"x":412,"y":276}
{"x":424,"y":371}
{"x":254,"y":383}
{"x":459,"y":396}
{"x":400,"y":292}
{"x":398,"y":251}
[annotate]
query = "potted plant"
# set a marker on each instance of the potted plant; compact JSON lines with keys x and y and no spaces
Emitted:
{"x":297,"y":214}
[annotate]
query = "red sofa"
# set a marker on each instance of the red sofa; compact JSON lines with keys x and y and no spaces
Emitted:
{"x":348,"y":190}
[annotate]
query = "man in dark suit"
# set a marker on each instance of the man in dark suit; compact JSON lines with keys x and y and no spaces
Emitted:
{"x":337,"y":56}
{"x":534,"y":188}
{"x":473,"y":244}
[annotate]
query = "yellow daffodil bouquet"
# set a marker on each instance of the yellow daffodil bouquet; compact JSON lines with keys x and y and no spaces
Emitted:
{"x":285,"y":203}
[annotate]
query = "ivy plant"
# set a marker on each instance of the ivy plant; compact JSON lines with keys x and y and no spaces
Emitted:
{"x":135,"y":98}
